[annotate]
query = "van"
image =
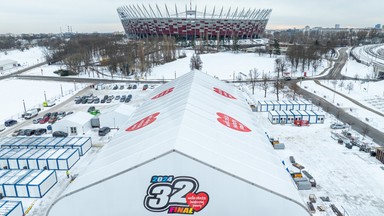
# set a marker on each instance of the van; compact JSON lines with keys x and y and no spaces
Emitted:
{"x":31,"y":113}
{"x":104,"y":131}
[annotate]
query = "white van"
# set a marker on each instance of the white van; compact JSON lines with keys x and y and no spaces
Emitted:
{"x":31,"y":113}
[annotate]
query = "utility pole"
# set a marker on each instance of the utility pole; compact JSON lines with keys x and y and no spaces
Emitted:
{"x":25,"y":110}
{"x":45,"y":97}
{"x":61,"y":87}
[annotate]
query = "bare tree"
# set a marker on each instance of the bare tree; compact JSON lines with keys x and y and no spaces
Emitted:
{"x":341,"y":84}
{"x":349,"y":87}
{"x":265,"y":83}
{"x":196,"y":62}
{"x":253,"y":75}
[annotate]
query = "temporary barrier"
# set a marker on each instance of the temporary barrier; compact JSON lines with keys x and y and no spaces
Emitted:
{"x":68,"y":159}
{"x":11,"y":208}
{"x":40,"y":185}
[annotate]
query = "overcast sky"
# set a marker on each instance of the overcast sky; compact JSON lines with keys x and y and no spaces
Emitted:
{"x":53,"y":16}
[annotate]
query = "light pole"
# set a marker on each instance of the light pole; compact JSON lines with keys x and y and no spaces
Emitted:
{"x":74,"y":83}
{"x":61,"y":87}
{"x":25,"y":110}
{"x":45,"y":97}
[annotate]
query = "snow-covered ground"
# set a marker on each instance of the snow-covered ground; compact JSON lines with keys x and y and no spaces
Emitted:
{"x":352,"y":179}
{"x":26,"y":58}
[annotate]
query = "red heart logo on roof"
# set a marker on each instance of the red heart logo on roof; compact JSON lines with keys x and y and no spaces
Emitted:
{"x":143,"y":122}
{"x":232,"y":123}
{"x":161,"y":94}
{"x":223,"y":93}
{"x":197,"y":201}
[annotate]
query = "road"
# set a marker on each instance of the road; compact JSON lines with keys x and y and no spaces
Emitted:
{"x":356,"y":124}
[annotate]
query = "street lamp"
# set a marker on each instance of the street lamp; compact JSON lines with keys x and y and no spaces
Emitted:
{"x":45,"y":97}
{"x":25,"y":110}
{"x":61,"y":87}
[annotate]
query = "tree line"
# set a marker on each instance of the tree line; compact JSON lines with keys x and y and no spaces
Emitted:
{"x":90,"y":53}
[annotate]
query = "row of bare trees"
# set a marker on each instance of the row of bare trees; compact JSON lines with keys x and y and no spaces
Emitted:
{"x":337,"y":37}
{"x":86,"y":53}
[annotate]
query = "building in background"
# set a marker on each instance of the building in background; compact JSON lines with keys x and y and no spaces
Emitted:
{"x":188,"y":23}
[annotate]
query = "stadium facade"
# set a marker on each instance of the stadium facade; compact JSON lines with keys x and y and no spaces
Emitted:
{"x":145,"y":21}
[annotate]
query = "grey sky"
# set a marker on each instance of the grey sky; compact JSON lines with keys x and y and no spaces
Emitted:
{"x":51,"y":16}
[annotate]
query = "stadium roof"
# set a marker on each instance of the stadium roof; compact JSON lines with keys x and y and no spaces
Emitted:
{"x":142,"y":11}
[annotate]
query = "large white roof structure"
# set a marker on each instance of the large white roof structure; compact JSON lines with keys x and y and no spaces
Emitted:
{"x":193,"y":147}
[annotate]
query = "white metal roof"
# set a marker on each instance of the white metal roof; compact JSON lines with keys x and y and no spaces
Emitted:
{"x":79,"y":118}
{"x":188,"y":116}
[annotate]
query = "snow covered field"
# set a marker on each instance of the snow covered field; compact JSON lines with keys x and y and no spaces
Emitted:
{"x":26,"y":58}
{"x":352,"y":179}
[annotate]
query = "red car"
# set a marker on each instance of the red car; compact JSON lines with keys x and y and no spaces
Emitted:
{"x":44,"y":120}
{"x":52,"y":119}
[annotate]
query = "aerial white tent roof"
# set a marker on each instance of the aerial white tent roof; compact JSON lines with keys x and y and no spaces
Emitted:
{"x":196,"y":131}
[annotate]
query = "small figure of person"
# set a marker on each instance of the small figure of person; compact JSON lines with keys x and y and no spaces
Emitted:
{"x":67,"y":173}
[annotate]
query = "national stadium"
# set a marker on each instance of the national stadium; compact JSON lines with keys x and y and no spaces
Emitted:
{"x":141,"y":21}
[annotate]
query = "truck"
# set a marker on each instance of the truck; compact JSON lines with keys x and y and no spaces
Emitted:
{"x":31,"y":113}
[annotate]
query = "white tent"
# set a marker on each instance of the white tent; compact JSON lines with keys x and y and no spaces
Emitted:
{"x":193,"y":147}
{"x":76,"y":124}
{"x":117,"y":117}
{"x":7,"y":64}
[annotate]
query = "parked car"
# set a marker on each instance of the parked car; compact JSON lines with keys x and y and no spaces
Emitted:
{"x":145,"y":87}
{"x":69,"y":113}
{"x":44,"y":120}
{"x":36,"y":120}
{"x":287,"y":78}
{"x":52,"y":119}
{"x":10,"y":122}
{"x":59,"y":134}
{"x":134,"y":87}
{"x":129,"y":87}
{"x":91,"y":109}
{"x":338,"y":126}
{"x":104,"y":131}
{"x":40,"y":131}
{"x":29,"y":132}
{"x":121,"y":87}
{"x":16,"y":132}
{"x":117,"y":97}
